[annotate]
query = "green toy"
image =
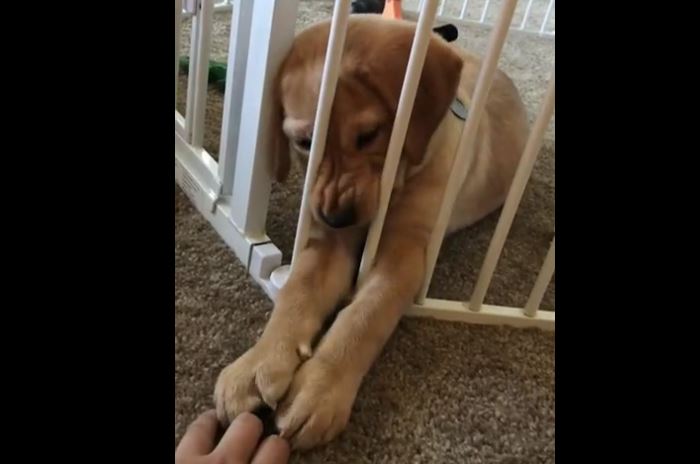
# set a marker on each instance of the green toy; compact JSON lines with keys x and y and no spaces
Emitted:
{"x":217,"y":72}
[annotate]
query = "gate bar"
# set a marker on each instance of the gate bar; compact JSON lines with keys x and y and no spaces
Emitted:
{"x":329,"y":82}
{"x":178,"y":32}
{"x":515,"y":194}
{"x":484,"y":11}
{"x":206,"y":17}
{"x":465,"y":151}
{"x":239,"y":41}
{"x":526,"y":14}
{"x":416,"y":60}
{"x":199,"y":73}
{"x":448,"y":310}
{"x":272,"y":33}
{"x":546,"y":16}
{"x":543,"y":279}
{"x":463,"y":13}
{"x":191,"y":74}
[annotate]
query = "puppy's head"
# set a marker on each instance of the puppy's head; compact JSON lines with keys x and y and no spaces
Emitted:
{"x":346,"y":189}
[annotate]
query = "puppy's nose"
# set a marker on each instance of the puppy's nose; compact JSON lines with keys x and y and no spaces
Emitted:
{"x":338,"y":219}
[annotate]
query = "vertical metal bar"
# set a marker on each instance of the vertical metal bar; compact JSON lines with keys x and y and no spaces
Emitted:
{"x":178,"y":32}
{"x":329,"y":81}
{"x":191,"y":81}
{"x":205,"y":16}
{"x":419,"y":50}
{"x":546,"y":16}
{"x":463,"y":13}
{"x":543,"y":279}
{"x":465,"y":152}
{"x":510,"y":207}
{"x":484,"y":11}
{"x":526,"y":14}
{"x":273,"y":23}
{"x":442,"y":7}
{"x":241,"y":20}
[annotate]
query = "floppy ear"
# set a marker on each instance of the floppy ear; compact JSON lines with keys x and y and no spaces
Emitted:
{"x":280,"y":158}
{"x":383,"y":68}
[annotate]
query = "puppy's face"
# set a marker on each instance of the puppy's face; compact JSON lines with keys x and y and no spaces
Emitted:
{"x":346,"y":189}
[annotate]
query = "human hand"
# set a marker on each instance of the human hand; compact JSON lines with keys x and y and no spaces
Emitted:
{"x":237,"y":446}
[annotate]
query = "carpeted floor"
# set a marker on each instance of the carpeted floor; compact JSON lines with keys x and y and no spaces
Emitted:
{"x":441,"y":392}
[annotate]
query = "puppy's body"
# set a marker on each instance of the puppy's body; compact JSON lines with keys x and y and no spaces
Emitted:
{"x":500,"y":141}
{"x":316,"y":388}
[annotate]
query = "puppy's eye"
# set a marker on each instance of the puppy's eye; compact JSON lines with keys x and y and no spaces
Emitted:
{"x":364,"y":139}
{"x":303,"y":143}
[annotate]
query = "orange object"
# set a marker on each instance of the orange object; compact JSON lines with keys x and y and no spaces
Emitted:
{"x":392,"y":9}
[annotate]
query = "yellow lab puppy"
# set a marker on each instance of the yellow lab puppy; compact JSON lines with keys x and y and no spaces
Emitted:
{"x":312,"y":388}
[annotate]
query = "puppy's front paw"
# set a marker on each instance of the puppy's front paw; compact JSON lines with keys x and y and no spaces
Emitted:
{"x":261,"y":375}
{"x":318,"y":405}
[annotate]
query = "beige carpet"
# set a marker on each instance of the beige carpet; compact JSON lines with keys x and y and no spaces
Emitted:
{"x":441,"y":392}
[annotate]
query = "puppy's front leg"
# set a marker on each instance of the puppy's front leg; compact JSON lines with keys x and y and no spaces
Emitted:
{"x":321,"y":396}
{"x":321,"y":277}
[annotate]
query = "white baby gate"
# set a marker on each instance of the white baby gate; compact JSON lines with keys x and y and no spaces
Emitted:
{"x":233,"y":193}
